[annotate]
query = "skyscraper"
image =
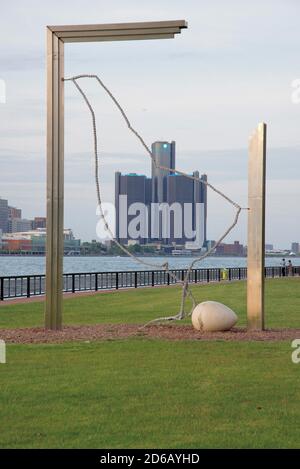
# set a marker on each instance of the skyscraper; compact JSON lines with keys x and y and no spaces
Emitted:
{"x":164,"y":155}
{"x":131,"y":189}
{"x":3,"y":215}
{"x":203,"y":199}
{"x":191,"y":195}
{"x":175,"y":206}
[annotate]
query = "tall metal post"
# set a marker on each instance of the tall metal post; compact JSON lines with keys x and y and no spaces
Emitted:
{"x":56,"y":37}
{"x":55,"y":181}
{"x":256,"y":228}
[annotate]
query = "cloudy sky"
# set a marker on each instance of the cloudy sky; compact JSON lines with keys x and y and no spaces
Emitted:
{"x":206,"y":89}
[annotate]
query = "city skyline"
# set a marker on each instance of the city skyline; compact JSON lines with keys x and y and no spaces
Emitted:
{"x":40,"y":222}
{"x":11,"y":220}
{"x":168,"y":208}
{"x":206,"y":90}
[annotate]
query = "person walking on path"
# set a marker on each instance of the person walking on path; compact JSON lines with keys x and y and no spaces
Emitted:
{"x":283,"y":267}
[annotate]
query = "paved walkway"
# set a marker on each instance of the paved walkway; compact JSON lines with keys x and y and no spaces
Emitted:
{"x":68,"y":295}
{"x":40,"y":298}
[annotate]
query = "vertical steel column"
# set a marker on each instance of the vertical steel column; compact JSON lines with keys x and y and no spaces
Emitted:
{"x":256,"y":227}
{"x":55,"y":181}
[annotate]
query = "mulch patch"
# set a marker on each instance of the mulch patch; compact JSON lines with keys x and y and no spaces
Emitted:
{"x":96,"y":332}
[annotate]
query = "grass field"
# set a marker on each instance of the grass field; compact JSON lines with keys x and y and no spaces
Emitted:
{"x":141,"y":305}
{"x":152,"y":393}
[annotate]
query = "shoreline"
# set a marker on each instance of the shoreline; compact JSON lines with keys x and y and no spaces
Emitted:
{"x":149,"y":256}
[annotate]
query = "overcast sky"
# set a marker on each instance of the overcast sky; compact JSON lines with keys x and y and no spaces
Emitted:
{"x":206,"y":89}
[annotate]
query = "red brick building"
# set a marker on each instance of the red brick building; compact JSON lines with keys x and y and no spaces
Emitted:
{"x":235,"y":249}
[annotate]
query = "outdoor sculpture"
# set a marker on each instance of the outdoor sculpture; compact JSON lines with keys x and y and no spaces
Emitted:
{"x":57,"y":36}
{"x":211,"y":316}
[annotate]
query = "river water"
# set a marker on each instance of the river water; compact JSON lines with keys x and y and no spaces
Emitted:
{"x":17,"y":265}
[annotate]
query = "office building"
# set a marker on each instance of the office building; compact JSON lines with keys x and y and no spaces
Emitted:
{"x":14,"y":217}
{"x":295,"y":248}
{"x":11,"y":220}
{"x":164,"y":155}
{"x":14,"y":212}
{"x":186,"y":196}
{"x":39,"y":222}
{"x":235,"y":249}
{"x":3,"y":215}
{"x":203,"y":200}
{"x":16,"y":225}
{"x":131,"y":189}
{"x":175,"y":210}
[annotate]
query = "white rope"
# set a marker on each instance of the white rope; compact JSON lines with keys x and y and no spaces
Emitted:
{"x":165,"y":266}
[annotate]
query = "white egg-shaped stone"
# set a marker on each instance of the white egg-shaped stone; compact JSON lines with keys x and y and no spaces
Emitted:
{"x":212,"y":316}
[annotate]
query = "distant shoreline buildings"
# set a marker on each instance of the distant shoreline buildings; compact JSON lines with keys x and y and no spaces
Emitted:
{"x":11,"y":220}
{"x":24,"y":236}
{"x":19,"y":234}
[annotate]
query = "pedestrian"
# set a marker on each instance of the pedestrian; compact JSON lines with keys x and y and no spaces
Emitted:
{"x":290,"y":268}
{"x":283,"y":267}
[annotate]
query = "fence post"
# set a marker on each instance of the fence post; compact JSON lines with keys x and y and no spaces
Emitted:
{"x":73,"y":283}
{"x":152,"y":280}
{"x":28,"y":287}
{"x":1,"y":289}
{"x":219,"y":275}
{"x":96,"y":282}
{"x":229,"y":274}
{"x":135,"y":279}
{"x":196,"y":275}
{"x":117,"y":280}
{"x":207,"y":275}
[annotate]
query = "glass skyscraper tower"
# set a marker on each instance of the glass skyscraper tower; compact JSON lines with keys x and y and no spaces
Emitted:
{"x":164,"y":155}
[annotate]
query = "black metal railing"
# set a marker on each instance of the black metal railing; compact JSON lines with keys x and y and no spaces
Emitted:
{"x":34,"y":285}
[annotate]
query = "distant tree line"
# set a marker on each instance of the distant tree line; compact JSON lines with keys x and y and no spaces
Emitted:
{"x":96,"y":248}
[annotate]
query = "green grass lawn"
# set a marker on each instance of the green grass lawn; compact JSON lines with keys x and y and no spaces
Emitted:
{"x":141,"y":305}
{"x":152,"y":393}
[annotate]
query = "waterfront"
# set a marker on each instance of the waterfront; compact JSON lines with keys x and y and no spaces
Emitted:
{"x":18,"y":265}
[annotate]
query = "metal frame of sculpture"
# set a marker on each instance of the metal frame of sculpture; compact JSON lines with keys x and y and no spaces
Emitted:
{"x":57,"y":36}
